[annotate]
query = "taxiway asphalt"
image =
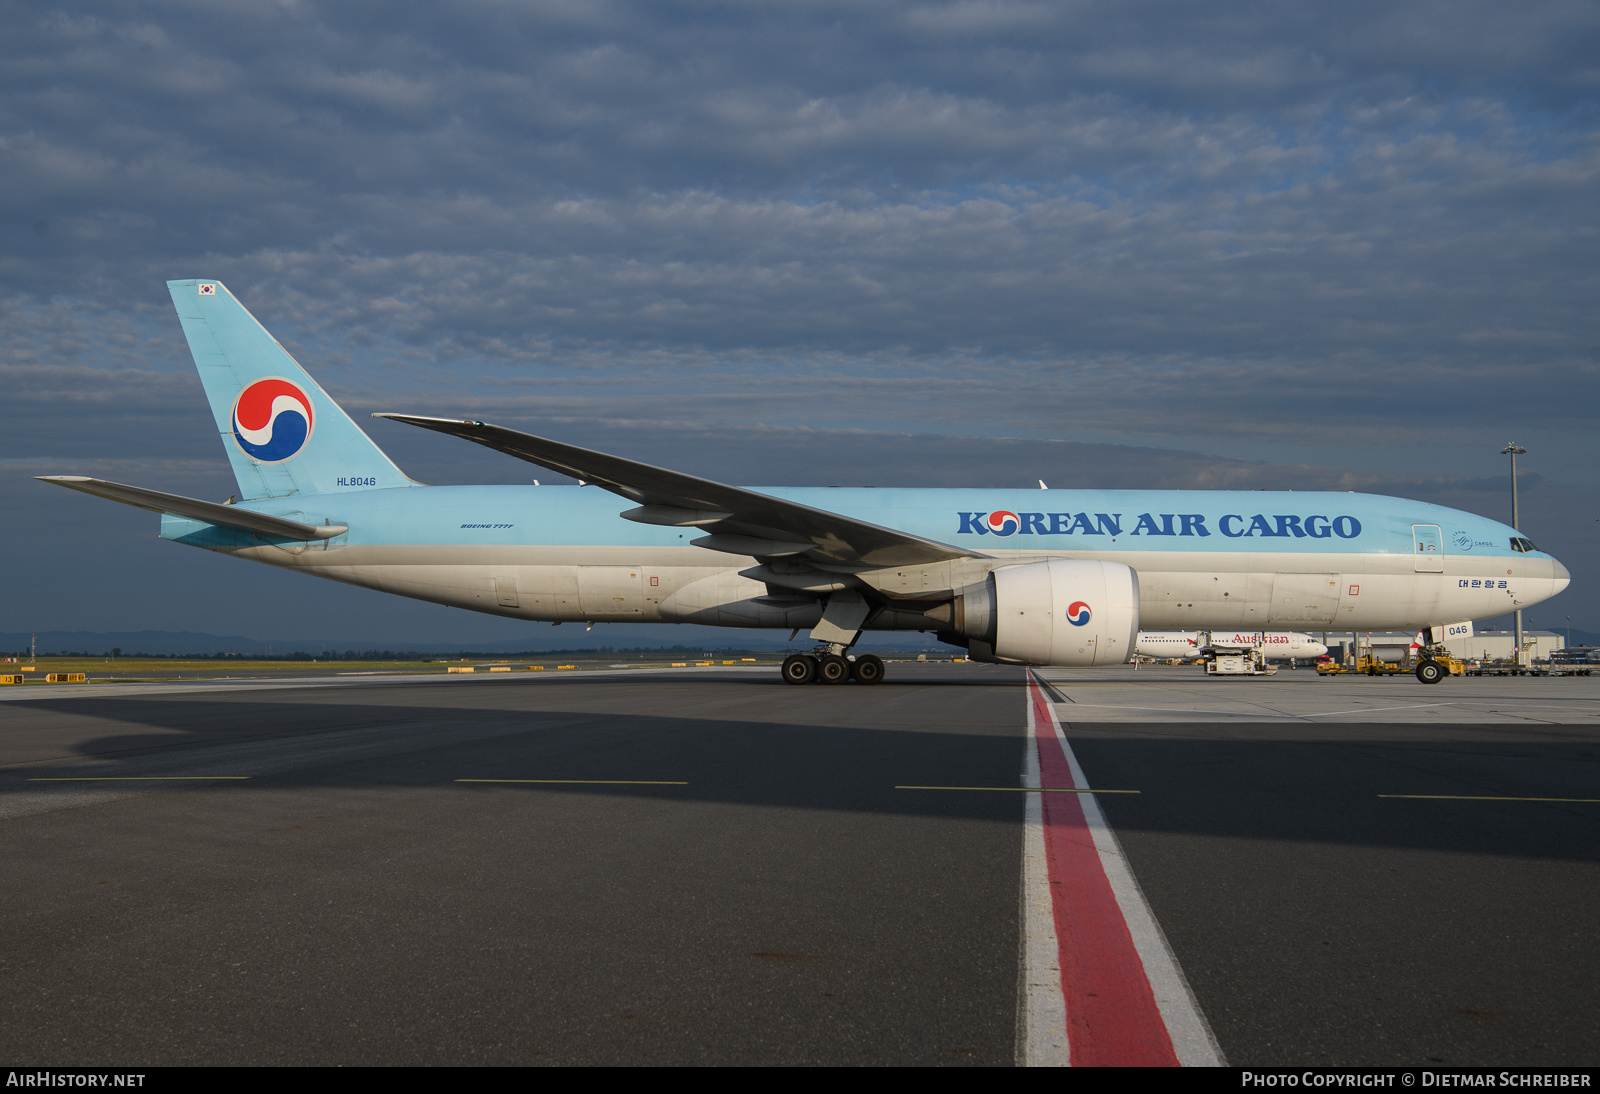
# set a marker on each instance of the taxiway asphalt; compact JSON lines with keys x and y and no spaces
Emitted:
{"x":294,"y":872}
{"x":1362,"y":871}
{"x":741,"y":882}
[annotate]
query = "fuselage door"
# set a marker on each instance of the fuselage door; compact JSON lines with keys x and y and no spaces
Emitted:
{"x":1304,"y":599}
{"x":607,"y":592}
{"x":1428,"y":548}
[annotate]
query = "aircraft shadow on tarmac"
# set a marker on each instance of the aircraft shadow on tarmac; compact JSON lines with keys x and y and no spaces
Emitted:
{"x":1318,"y":785}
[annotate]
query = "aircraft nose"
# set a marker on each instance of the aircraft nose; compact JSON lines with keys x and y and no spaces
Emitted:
{"x":1318,"y":650}
{"x":1562,"y":577}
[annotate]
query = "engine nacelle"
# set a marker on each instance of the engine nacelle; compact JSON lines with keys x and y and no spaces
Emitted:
{"x":1061,"y":612}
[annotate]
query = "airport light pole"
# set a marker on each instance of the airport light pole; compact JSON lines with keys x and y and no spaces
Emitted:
{"x":1514,"y":450}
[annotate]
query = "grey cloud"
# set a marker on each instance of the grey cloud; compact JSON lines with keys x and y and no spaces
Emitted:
{"x":1253,"y":226}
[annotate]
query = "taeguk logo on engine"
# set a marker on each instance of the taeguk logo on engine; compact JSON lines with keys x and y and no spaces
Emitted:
{"x":1078,"y":613}
{"x":272,"y":420}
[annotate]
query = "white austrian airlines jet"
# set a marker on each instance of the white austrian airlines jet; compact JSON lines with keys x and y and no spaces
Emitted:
{"x":1277,"y":645}
{"x":989,"y":570}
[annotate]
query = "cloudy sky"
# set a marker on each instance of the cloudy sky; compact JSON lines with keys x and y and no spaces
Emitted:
{"x":1345,"y":246}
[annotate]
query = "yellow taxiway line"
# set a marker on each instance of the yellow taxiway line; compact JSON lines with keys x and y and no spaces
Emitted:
{"x":1483,"y":798}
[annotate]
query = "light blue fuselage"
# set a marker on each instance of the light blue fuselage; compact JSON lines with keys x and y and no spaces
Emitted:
{"x":1205,"y":559}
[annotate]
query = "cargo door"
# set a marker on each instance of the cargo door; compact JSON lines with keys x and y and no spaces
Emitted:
{"x":1304,"y":599}
{"x":1428,"y":553}
{"x":606,"y":592}
{"x":550,"y":592}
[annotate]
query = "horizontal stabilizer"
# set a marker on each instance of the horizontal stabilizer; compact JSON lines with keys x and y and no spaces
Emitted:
{"x":754,"y":521}
{"x":211,"y":512}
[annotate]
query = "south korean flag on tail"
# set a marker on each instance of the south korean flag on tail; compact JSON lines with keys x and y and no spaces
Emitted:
{"x":207,"y":289}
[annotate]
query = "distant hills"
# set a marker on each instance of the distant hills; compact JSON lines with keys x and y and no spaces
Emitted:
{"x":574,"y":639}
{"x":134,"y":643}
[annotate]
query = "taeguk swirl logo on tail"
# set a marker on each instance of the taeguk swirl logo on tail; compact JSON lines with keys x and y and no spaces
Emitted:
{"x":1078,"y":613}
{"x":272,"y":419}
{"x":1003,"y":522}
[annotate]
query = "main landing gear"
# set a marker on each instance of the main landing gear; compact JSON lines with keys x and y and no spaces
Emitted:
{"x":831,"y":668}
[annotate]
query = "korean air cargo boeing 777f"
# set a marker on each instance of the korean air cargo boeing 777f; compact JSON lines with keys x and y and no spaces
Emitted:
{"x":1060,"y":577}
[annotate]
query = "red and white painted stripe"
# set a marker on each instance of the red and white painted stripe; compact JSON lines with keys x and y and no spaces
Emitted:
{"x":1101,"y":985}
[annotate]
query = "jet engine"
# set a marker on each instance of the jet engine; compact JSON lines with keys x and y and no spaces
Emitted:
{"x":1060,"y":612}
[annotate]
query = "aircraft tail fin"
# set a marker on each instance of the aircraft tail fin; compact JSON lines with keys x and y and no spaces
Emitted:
{"x":282,"y":432}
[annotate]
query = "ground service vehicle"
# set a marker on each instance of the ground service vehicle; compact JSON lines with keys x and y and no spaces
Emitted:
{"x":1435,"y":662}
{"x":1237,"y":661}
{"x":1430,"y":663}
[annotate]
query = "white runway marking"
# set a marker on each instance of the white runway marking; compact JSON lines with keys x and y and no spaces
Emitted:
{"x":1373,"y":710}
{"x":1264,"y":713}
{"x":1190,"y":710}
{"x":1042,"y":1034}
{"x":1192,"y":1038}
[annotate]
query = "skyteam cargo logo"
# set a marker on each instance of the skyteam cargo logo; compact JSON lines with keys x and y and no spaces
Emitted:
{"x":272,"y":420}
{"x":1003,"y":522}
{"x":1078,"y":613}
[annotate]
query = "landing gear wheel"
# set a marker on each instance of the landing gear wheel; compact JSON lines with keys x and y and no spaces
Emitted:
{"x":833,"y":669}
{"x":1430,"y":672}
{"x":867,"y":669}
{"x":799,"y":668}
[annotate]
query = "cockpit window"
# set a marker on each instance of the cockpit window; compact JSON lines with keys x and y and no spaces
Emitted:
{"x":1524,"y":545}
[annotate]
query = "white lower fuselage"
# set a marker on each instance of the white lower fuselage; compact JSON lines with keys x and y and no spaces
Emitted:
{"x":606,"y":584}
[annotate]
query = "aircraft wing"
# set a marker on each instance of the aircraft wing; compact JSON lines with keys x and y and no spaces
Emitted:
{"x":213,"y":513}
{"x":740,"y":521}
